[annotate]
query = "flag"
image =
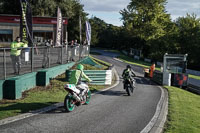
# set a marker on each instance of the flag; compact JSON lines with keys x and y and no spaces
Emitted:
{"x":59,"y":28}
{"x":88,"y":32}
{"x":26,"y":34}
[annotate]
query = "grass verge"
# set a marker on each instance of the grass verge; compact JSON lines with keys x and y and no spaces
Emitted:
{"x":100,"y":61}
{"x":40,"y":97}
{"x":194,"y":77}
{"x":130,"y":60}
{"x":184,"y":112}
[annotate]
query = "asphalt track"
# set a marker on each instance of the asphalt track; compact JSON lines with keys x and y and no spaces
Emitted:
{"x":111,"y":111}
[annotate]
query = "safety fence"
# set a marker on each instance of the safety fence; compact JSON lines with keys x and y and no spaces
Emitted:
{"x":193,"y":88}
{"x":37,"y":58}
{"x":98,"y":77}
{"x":158,"y":77}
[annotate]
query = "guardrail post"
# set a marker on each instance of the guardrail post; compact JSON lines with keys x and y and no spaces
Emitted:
{"x":4,"y":62}
{"x":88,"y":49}
{"x":48,"y":52}
{"x":32,"y":58}
{"x":61,"y":54}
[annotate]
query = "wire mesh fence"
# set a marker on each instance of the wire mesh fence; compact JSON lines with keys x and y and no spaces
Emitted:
{"x":36,"y":58}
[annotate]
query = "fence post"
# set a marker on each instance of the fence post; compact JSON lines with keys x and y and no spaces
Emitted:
{"x":67,"y":48}
{"x":61,"y":54}
{"x":88,"y":50}
{"x":48,"y":52}
{"x":32,"y":58}
{"x":80,"y":49}
{"x":4,"y":62}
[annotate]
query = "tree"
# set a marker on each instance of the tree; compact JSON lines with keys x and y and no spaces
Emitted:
{"x":189,"y":38}
{"x":147,"y":22}
{"x":43,"y":7}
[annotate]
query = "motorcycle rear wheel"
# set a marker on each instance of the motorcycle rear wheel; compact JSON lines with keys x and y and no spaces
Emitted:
{"x":88,"y":97}
{"x":128,"y":90}
{"x":68,"y":103}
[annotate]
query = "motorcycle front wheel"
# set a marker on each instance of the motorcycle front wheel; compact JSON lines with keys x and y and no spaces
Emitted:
{"x":88,"y":97}
{"x":68,"y":103}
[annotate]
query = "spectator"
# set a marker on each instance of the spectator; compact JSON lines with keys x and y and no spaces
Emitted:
{"x":46,"y":53}
{"x":152,"y":69}
{"x":76,"y":43}
{"x":15,"y":54}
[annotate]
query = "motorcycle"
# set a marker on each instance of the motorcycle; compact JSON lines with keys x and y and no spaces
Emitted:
{"x":129,"y":85}
{"x":75,"y":96}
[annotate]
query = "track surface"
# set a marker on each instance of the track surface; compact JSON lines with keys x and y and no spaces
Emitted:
{"x":111,"y":111}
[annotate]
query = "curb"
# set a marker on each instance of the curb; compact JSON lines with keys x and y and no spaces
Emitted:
{"x":156,"y":125}
{"x":49,"y":108}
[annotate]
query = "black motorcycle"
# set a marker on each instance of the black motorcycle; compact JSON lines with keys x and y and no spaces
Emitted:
{"x":129,"y":85}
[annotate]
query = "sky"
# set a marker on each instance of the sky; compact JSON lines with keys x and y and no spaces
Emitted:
{"x":108,"y":10}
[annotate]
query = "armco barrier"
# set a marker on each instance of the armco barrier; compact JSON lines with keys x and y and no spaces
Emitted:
{"x":98,"y":77}
{"x":1,"y":89}
{"x":13,"y":87}
{"x":44,"y":76}
{"x":158,"y":77}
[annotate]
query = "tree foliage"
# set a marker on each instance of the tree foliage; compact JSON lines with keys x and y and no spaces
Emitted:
{"x":189,"y":38}
{"x":146,"y":26}
{"x":146,"y":19}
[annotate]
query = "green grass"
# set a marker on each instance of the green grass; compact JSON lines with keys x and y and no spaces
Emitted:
{"x":130,"y":60}
{"x":145,"y":65}
{"x":100,"y":61}
{"x":184,"y":112}
{"x":38,"y":97}
{"x":194,"y":77}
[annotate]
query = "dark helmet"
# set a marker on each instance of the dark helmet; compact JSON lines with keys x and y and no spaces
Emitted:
{"x":128,"y":66}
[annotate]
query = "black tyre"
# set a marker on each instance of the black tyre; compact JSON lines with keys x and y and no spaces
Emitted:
{"x":68,"y":103}
{"x":128,"y":90}
{"x":88,"y":97}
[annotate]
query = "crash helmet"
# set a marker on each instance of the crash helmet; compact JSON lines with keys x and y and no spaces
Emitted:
{"x":80,"y":67}
{"x":128,"y":66}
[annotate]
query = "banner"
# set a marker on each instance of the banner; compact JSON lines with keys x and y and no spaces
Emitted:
{"x":59,"y":28}
{"x":88,"y":32}
{"x":26,"y":34}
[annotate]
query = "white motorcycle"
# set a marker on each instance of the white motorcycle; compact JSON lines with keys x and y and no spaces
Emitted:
{"x":76,"y":97}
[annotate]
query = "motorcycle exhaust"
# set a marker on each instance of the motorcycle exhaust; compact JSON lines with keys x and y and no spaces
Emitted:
{"x":75,"y":96}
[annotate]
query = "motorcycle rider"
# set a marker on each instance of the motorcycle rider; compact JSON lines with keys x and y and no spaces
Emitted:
{"x":76,"y":78}
{"x":128,"y":74}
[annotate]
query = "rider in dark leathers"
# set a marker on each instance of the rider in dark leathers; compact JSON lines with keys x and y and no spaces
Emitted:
{"x":127,"y":75}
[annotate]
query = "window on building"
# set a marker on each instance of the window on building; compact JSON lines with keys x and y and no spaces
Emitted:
{"x":6,"y":35}
{"x":42,"y":36}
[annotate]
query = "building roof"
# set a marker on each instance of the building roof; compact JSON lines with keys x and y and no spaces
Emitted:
{"x":36,"y":20}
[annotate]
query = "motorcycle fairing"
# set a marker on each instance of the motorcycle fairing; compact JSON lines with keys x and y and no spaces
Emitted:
{"x":72,"y":87}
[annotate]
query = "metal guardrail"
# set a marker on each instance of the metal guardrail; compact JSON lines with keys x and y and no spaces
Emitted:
{"x":98,"y":77}
{"x":37,"y":58}
{"x":158,"y":77}
{"x":193,"y":88}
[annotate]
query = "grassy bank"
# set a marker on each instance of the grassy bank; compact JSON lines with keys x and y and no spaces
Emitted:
{"x":130,"y":60}
{"x":184,"y":112}
{"x":40,"y":97}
